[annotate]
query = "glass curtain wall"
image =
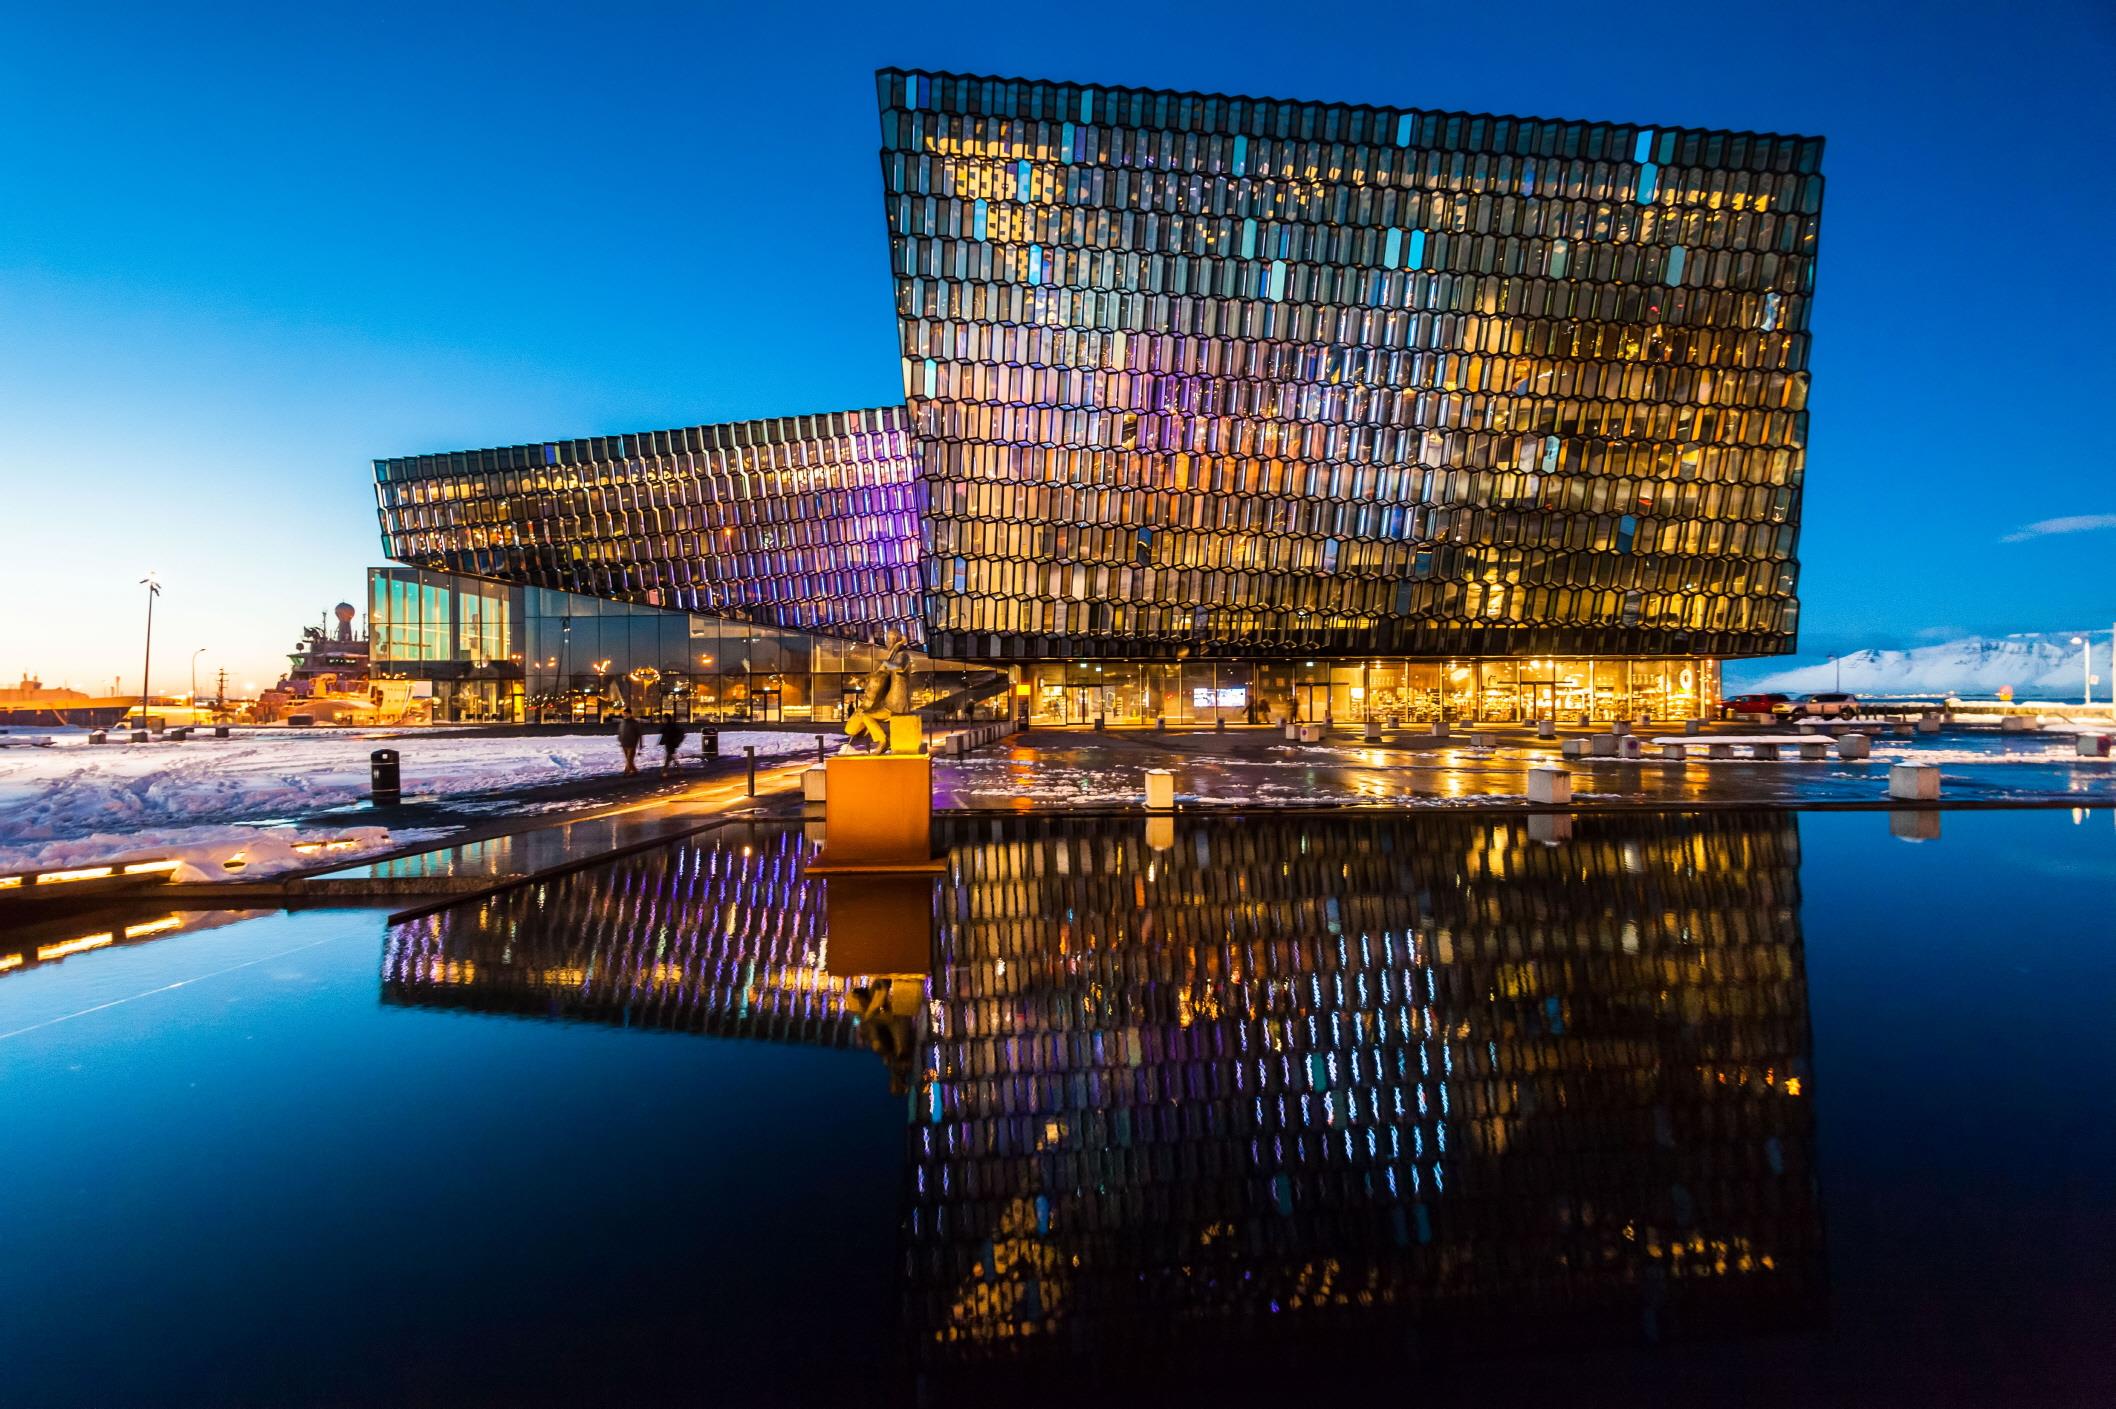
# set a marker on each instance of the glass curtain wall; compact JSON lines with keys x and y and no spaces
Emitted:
{"x":495,"y":653}
{"x":1393,"y":691}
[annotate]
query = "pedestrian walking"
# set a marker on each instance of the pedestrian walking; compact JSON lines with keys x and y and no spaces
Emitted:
{"x":671,"y":740}
{"x":630,"y":731}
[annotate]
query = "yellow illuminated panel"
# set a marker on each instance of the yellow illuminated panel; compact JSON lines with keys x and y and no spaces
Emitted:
{"x":74,"y":946}
{"x":84,"y":873}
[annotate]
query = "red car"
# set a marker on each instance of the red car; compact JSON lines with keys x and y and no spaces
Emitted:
{"x":1773,"y":706}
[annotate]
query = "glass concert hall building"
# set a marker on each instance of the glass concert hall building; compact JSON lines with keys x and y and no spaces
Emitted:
{"x":1217,"y":407}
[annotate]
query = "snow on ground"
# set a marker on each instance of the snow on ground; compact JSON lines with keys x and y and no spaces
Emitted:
{"x":74,"y":790}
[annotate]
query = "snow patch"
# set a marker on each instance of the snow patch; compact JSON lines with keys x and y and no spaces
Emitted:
{"x":76,"y":790}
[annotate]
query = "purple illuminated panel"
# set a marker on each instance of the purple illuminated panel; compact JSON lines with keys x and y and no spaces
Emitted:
{"x":803,"y":522}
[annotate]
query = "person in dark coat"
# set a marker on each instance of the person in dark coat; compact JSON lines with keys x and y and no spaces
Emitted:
{"x":629,"y":733}
{"x":671,"y":740}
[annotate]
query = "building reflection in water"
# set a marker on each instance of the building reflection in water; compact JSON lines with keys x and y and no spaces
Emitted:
{"x":1435,"y":1083}
{"x":723,"y":936}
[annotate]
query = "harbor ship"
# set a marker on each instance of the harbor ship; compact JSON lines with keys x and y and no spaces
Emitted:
{"x":327,"y":681}
{"x":36,"y":704}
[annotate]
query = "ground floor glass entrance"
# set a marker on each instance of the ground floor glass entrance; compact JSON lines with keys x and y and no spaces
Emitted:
{"x":1512,"y":690}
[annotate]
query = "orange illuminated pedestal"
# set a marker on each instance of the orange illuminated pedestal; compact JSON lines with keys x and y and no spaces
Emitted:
{"x":878,"y":867}
{"x":879,"y":924}
{"x":878,"y":815}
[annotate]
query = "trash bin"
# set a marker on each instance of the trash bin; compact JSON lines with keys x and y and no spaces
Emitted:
{"x":709,"y":740}
{"x":384,"y":787}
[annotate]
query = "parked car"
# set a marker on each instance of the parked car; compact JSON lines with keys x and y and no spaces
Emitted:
{"x":1830,"y":704}
{"x":1775,"y":706}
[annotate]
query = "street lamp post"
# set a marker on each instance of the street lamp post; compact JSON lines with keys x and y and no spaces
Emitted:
{"x":2086,"y":669}
{"x":154,"y":589}
{"x":194,"y":679}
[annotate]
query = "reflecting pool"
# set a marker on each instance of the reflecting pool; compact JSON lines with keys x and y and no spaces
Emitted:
{"x":1751,"y":1106}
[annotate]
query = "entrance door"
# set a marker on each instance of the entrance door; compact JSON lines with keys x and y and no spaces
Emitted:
{"x":1314,"y":702}
{"x":1539,"y":700}
{"x":764,"y":705}
{"x":1083,"y":703}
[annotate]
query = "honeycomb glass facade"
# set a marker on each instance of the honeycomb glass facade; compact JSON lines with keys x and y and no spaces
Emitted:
{"x":805,"y":522}
{"x":1209,"y":376}
{"x":1224,"y":408}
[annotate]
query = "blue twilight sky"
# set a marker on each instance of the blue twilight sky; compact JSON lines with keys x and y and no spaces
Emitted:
{"x":243,"y":250}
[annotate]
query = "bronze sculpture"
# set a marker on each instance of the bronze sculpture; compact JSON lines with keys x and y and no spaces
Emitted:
{"x":886,"y":693}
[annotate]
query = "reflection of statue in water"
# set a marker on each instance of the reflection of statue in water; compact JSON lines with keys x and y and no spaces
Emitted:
{"x":887,"y":692}
{"x":888,"y":1014}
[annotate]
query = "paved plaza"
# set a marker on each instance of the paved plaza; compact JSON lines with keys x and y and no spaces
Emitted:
{"x":1259,"y":767}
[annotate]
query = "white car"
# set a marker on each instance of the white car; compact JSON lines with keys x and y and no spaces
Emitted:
{"x":1828,"y":705}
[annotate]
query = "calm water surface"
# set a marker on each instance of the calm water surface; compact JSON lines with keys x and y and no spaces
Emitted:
{"x":1746,"y":1107}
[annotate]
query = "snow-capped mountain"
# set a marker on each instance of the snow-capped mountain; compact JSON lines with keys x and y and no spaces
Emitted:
{"x":2043,"y":664}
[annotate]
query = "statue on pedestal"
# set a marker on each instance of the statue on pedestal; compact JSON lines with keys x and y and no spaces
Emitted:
{"x":887,"y":692}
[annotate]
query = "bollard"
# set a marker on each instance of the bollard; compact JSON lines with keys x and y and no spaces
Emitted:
{"x":1814,"y":752}
{"x":1219,"y":726}
{"x":384,"y":787}
{"x":1099,"y":725}
{"x":220,"y":731}
{"x":821,"y":757}
{"x":1765,"y":753}
{"x":1602,"y":745}
{"x":709,"y":742}
{"x":2015,"y":724}
{"x":1693,"y":726}
{"x":1292,"y":732}
{"x":1631,"y":746}
{"x":1546,"y":728}
{"x":139,"y":736}
{"x":1372,"y":733}
{"x":1855,"y":746}
{"x":1673,"y":753}
{"x":1439,"y":730}
{"x":1160,"y":790}
{"x":1573,"y":748}
{"x":1311,"y":733}
{"x":1619,"y":727}
{"x":174,"y":736}
{"x":814,"y":781}
{"x":2091,"y":745}
{"x":1549,"y":784}
{"x":98,"y":736}
{"x":1928,"y":726}
{"x":1914,"y":782}
{"x":1484,"y":741}
{"x":1160,"y":724}
{"x":749,"y":754}
{"x":1719,"y":750}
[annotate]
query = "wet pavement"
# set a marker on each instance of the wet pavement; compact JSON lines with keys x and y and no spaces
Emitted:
{"x":666,"y":816}
{"x":1257,"y":767}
